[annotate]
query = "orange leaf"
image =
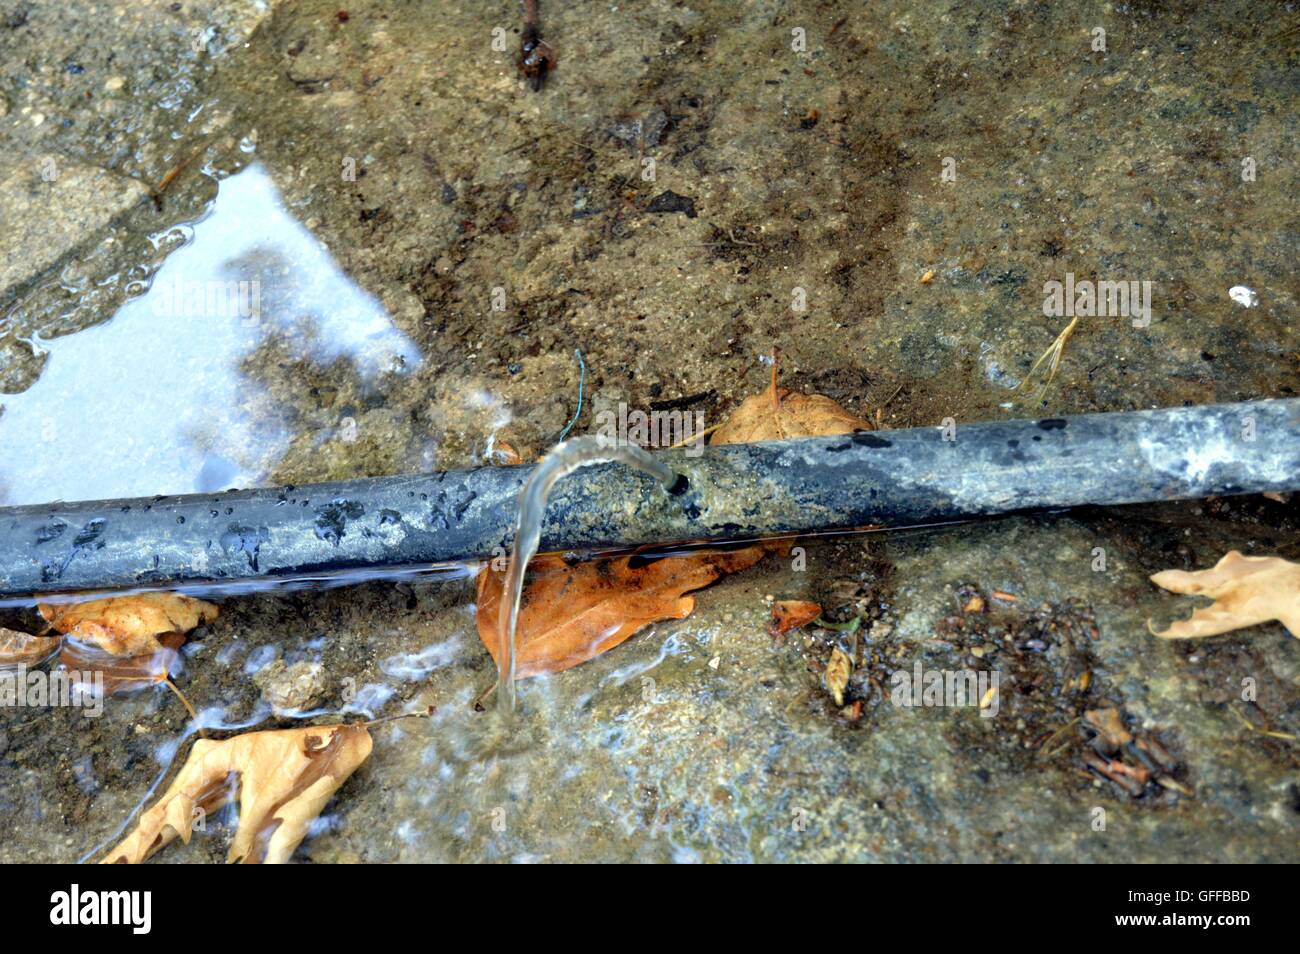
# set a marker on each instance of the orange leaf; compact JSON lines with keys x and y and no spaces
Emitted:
{"x":791,"y":614}
{"x":777,"y":414}
{"x":128,"y":625}
{"x":759,"y":418}
{"x":570,"y":614}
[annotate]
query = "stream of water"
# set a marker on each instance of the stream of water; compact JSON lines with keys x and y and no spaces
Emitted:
{"x":563,"y":459}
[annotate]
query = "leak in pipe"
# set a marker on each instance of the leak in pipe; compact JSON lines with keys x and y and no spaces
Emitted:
{"x":736,"y":491}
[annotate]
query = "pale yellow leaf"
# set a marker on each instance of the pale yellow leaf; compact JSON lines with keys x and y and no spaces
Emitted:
{"x":1246,"y":591}
{"x":838,"y":671}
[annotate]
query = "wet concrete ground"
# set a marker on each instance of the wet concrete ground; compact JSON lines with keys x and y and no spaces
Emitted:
{"x":404,"y":142}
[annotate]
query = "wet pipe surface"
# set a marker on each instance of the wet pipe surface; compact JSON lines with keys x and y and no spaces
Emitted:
{"x":737,"y":491}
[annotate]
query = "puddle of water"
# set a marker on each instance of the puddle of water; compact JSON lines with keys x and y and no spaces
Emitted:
{"x":159,"y":400}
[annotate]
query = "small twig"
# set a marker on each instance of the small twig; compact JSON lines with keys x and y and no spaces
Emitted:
{"x":1042,"y":749}
{"x":776,"y":399}
{"x":1268,"y":732}
{"x":186,"y":703}
{"x":535,"y":56}
{"x":695,"y":437}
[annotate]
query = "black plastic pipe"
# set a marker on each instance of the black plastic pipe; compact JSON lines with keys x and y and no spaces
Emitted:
{"x":735,"y":491}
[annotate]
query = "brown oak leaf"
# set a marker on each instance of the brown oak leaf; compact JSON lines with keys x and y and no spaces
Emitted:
{"x":570,"y":614}
{"x":281,"y":779}
{"x":778,"y":414}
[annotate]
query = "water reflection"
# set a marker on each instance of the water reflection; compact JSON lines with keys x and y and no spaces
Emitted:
{"x":160,"y":398}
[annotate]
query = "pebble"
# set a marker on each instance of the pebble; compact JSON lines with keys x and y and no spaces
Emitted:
{"x":291,"y":688}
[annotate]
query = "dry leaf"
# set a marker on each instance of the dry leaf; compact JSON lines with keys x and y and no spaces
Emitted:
{"x":838,"y":671}
{"x":791,"y":614}
{"x":23,"y":649}
{"x":570,"y":614}
{"x":129,"y":625}
{"x":1246,"y":591}
{"x":282,"y":779}
{"x":778,"y":414}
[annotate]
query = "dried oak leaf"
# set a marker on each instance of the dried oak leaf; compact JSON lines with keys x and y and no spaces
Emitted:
{"x":1246,"y":591}
{"x":23,"y":649}
{"x":780,"y":414}
{"x":791,"y":614}
{"x":777,"y":414}
{"x":282,"y":779}
{"x":570,"y":614}
{"x":128,"y":625}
